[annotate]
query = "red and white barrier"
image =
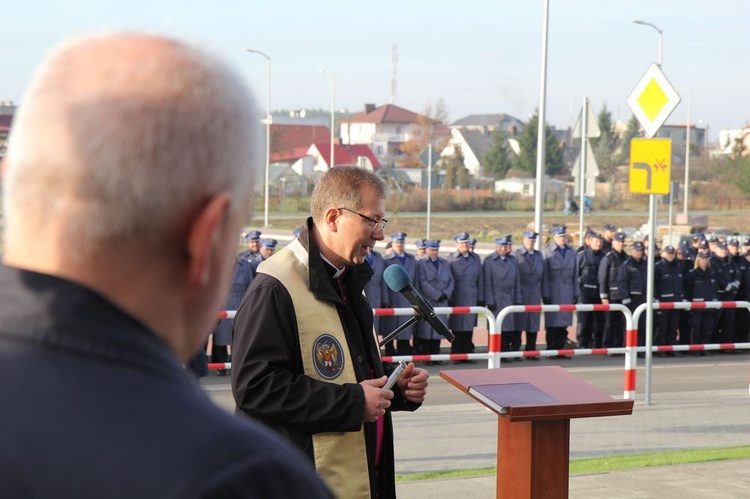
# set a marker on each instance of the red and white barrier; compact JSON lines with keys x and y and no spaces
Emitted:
{"x":630,"y":353}
{"x":632,"y":336}
{"x":493,"y":340}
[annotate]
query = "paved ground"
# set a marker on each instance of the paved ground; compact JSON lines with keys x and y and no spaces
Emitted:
{"x":463,"y":436}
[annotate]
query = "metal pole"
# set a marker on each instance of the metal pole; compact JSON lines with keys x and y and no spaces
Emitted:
{"x":541,"y":135}
{"x":661,"y":37}
{"x":333,"y":115}
{"x":582,"y":172}
{"x":429,"y":184}
{"x":268,"y":133}
{"x":650,"y":292}
{"x":687,"y":163}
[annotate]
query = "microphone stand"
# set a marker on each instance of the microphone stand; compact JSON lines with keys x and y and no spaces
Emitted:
{"x":401,"y":328}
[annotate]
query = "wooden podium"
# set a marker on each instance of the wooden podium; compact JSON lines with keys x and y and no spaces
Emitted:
{"x":534,"y":407}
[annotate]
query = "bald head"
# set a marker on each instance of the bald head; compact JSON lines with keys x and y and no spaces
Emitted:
{"x":119,"y":138}
{"x":131,"y":170}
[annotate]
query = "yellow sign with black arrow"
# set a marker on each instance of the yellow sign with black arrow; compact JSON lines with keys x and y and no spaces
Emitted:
{"x":650,"y":161}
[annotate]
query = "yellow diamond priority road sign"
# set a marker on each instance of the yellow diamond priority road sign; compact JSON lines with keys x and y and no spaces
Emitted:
{"x":653,"y":100}
{"x":650,"y":161}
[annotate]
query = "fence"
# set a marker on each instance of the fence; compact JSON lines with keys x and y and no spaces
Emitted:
{"x":631,"y":338}
{"x":630,"y":353}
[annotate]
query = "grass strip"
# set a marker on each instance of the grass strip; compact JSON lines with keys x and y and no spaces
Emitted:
{"x":609,"y":463}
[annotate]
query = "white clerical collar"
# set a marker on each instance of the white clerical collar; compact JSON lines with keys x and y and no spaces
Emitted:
{"x":339,"y":271}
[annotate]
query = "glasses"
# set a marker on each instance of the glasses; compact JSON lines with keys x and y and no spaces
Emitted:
{"x":379,"y":225}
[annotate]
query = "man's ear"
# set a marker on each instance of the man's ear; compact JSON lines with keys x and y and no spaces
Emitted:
{"x":331,"y":216}
{"x":204,"y":237}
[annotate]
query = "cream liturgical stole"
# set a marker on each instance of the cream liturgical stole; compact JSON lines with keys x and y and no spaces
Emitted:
{"x":340,"y":457}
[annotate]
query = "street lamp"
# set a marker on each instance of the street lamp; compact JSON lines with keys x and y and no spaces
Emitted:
{"x":333,"y":111}
{"x":268,"y":132}
{"x":651,"y":251}
{"x":661,"y":36}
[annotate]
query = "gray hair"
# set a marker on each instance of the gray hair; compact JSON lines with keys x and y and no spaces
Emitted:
{"x":340,"y":187}
{"x":125,"y":135}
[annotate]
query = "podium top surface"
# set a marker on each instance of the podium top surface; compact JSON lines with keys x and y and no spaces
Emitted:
{"x":553,"y":393}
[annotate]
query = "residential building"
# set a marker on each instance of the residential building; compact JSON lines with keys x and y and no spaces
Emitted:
{"x":384,"y":129}
{"x":291,"y":142}
{"x":488,"y":123}
{"x":355,"y":154}
{"x":472,"y":144}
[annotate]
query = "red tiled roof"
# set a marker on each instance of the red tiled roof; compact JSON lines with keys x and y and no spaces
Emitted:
{"x":346,"y":155}
{"x":387,"y":113}
{"x":292,"y":154}
{"x":287,"y":139}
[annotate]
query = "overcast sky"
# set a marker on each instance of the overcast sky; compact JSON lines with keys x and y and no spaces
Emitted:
{"x":480,"y":56}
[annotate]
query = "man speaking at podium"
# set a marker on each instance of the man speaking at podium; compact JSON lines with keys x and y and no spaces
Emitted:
{"x":306,"y":359}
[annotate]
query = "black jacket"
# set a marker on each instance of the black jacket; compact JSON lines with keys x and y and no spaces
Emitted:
{"x":588,"y":272}
{"x":268,"y":378}
{"x":668,"y":281}
{"x":95,"y":405}
{"x":701,"y":285}
{"x":608,"y":268}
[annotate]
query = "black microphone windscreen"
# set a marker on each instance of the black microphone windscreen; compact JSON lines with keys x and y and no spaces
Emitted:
{"x":396,"y":278}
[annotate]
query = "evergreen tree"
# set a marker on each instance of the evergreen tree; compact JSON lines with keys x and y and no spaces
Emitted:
{"x":632,"y":131}
{"x":527,"y":141}
{"x":605,"y":146}
{"x":496,"y":161}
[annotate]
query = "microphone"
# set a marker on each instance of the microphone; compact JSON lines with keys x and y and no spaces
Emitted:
{"x":399,"y":281}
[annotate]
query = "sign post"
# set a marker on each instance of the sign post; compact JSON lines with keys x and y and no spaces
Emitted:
{"x":586,"y":127}
{"x":652,"y":101}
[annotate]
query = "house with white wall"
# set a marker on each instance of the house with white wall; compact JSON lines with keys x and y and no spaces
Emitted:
{"x":383,"y":128}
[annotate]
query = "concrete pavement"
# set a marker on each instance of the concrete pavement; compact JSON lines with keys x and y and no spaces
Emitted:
{"x":463,"y":436}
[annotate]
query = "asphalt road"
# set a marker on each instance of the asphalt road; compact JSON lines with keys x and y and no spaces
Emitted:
{"x":669,"y":375}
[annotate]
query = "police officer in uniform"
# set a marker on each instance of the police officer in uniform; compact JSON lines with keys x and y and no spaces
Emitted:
{"x":531,"y":270}
{"x":398,"y":256}
{"x":741,"y":314}
{"x":468,"y":291}
{"x":559,"y":286}
{"x":701,"y":286}
{"x":421,"y":246}
{"x":728,"y":283}
{"x":684,"y":265}
{"x":590,"y":324}
{"x":609,"y":292}
{"x":252,"y":253}
{"x":502,"y":288}
{"x":608,"y":235}
{"x":376,"y":291}
{"x":435,"y":283}
{"x":631,"y":280}
{"x":668,"y":287}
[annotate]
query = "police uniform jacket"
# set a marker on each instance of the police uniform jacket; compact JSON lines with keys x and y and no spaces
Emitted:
{"x":531,"y":270}
{"x":609,"y":289}
{"x":669,"y":283}
{"x":502,"y":285}
{"x":560,"y":282}
{"x":727,"y":278}
{"x":468,"y":290}
{"x":268,"y":380}
{"x":243,"y":276}
{"x":632,"y":281}
{"x":701,"y":285}
{"x":742,"y":268}
{"x":103,"y":408}
{"x":376,"y":290}
{"x":435,"y":283}
{"x":396,"y":299}
{"x":588,"y":272}
{"x":251,"y":257}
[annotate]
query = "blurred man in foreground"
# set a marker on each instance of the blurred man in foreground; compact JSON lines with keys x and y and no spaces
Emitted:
{"x":133,"y":155}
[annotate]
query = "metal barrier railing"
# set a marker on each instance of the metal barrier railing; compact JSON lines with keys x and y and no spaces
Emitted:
{"x":630,"y":353}
{"x":632,"y":336}
{"x":493,"y":341}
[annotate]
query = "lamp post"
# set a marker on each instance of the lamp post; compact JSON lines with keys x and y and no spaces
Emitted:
{"x":333,"y":112}
{"x":541,"y":142}
{"x":268,"y":132}
{"x":651,"y":250}
{"x":661,"y":36}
